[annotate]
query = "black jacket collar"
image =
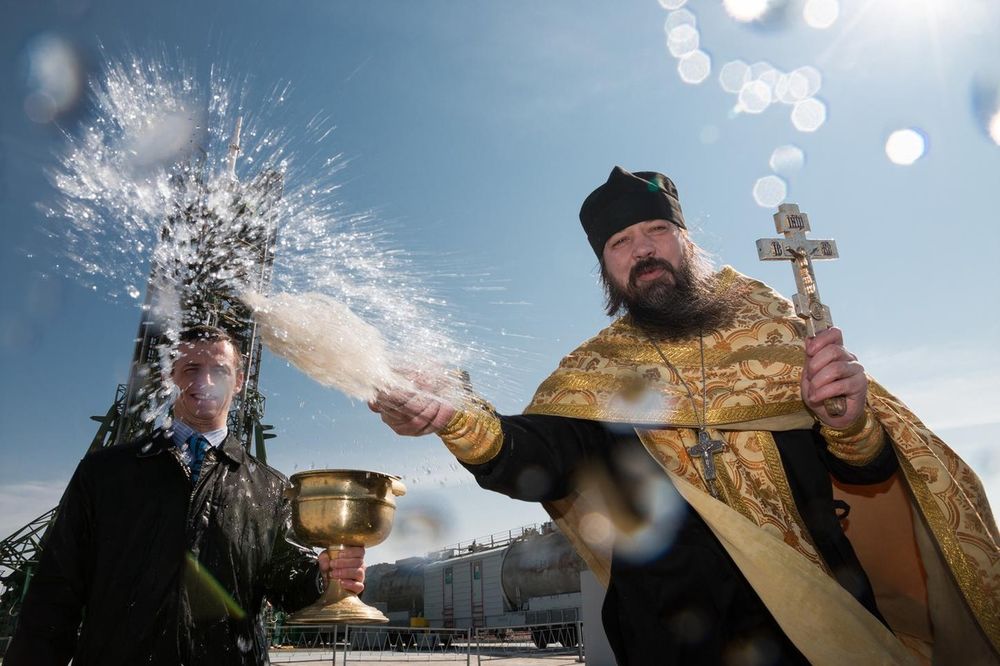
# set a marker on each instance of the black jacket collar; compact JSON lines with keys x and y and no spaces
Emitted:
{"x":233,"y":449}
{"x":161,"y":441}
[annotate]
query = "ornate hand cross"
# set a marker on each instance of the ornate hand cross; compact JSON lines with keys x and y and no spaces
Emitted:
{"x":801,"y":251}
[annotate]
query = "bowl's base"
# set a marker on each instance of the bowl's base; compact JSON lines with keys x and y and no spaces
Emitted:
{"x":349,"y":610}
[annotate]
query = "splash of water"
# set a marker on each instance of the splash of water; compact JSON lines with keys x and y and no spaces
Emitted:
{"x":324,"y":339}
{"x":149,"y":185}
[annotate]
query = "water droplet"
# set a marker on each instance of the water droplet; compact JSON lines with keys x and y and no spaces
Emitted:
{"x":672,"y":4}
{"x":769,"y":191}
{"x":734,"y":75}
{"x":986,"y":106}
{"x":786,"y":159}
{"x":804,"y":82}
{"x":683,"y":40}
{"x":809,"y":115}
{"x":679,"y":18}
{"x":745,"y":11}
{"x":596,"y":529}
{"x":709,"y":134}
{"x":55,"y":76}
{"x":694,"y":67}
{"x":821,"y":14}
{"x":764,"y":71}
{"x":132,"y":291}
{"x":754,"y":97}
{"x":905,"y":146}
{"x":783,"y":91}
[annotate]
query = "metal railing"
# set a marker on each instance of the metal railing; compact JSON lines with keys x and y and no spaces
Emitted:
{"x":490,"y":541}
{"x":367,"y":643}
{"x":534,"y":640}
{"x":350,"y":643}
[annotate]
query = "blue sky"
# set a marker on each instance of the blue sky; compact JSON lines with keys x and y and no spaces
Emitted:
{"x":472,"y":131}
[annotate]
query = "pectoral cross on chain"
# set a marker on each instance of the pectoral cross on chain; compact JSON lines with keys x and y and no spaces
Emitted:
{"x":801,"y":251}
{"x":705,"y":449}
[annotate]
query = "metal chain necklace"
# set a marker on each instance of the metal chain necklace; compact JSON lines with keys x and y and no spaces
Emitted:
{"x":706,"y":446}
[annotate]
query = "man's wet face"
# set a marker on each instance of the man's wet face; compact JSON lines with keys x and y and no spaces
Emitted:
{"x":207,"y":375}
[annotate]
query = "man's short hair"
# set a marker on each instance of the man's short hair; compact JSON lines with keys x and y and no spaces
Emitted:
{"x":208,"y":333}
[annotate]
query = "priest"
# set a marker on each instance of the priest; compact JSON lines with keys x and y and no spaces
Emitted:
{"x":687,"y":453}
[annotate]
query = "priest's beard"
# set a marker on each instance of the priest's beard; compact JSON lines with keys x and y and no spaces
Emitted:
{"x":683,"y":307}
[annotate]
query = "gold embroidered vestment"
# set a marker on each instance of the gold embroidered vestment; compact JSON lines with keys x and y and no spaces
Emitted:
{"x":752,"y":373}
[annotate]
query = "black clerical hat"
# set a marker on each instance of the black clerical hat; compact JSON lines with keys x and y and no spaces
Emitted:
{"x":625,"y":199}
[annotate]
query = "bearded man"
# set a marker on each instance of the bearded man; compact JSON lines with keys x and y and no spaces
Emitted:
{"x":802,"y":537}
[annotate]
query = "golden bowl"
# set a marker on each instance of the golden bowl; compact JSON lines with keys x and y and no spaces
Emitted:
{"x":343,"y":506}
{"x":333,"y":508}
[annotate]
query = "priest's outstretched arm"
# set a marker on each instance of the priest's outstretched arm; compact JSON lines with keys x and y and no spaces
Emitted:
{"x":528,"y":457}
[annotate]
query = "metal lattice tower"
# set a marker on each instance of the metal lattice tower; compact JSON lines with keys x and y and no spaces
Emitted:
{"x":204,"y":299}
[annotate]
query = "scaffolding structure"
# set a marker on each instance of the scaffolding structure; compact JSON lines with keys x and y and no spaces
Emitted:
{"x":249,"y":232}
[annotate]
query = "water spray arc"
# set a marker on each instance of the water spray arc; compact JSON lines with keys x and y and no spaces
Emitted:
{"x":163,"y":164}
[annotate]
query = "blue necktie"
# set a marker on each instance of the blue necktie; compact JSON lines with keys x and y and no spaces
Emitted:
{"x":197,"y":445}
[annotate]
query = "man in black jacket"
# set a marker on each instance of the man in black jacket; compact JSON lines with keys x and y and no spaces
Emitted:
{"x":167,"y":547}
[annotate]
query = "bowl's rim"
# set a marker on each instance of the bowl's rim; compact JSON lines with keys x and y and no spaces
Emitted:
{"x":316,"y":472}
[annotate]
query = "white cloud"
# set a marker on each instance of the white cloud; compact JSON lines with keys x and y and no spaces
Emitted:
{"x":951,"y":387}
{"x":954,"y":390}
{"x":20,"y":503}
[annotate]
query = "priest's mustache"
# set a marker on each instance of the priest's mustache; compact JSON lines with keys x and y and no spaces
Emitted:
{"x":649,"y":263}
